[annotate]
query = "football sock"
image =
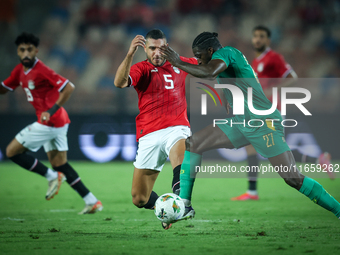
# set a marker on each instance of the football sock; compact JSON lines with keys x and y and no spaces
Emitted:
{"x":190,"y":161}
{"x":252,"y":185}
{"x":253,"y":163}
{"x":73,"y":179}
{"x":51,"y":175}
{"x":29,"y":163}
{"x":299,"y":157}
{"x":152,"y":200}
{"x":320,"y":196}
{"x":90,"y":199}
{"x":252,"y":192}
{"x":187,"y":202}
{"x":175,"y":180}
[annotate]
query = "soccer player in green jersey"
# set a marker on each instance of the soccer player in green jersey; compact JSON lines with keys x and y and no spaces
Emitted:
{"x":271,"y":67}
{"x":220,"y":62}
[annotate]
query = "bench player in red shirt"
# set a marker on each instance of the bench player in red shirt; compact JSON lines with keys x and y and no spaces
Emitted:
{"x":47,"y":92}
{"x":270,"y":66}
{"x":162,"y":124}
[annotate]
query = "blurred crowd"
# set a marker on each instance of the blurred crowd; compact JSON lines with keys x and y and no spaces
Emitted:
{"x":85,"y":40}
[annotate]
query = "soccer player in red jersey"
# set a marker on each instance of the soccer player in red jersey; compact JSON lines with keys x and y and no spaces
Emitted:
{"x":162,"y":124}
{"x":269,"y":65}
{"x":47,"y":92}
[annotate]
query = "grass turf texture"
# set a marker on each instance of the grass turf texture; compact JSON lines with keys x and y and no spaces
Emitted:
{"x":283,"y":221}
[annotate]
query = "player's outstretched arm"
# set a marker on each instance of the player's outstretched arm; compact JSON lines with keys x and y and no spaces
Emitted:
{"x":208,"y":71}
{"x":63,"y":98}
{"x":122,"y":75}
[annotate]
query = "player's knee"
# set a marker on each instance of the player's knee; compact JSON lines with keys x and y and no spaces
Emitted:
{"x":139,"y":200}
{"x":295,"y":183}
{"x":10,"y":152}
{"x":55,"y":164}
{"x":190,"y":144}
{"x":187,"y":143}
{"x":57,"y":159}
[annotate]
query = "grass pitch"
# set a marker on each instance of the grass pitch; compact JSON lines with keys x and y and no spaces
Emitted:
{"x":283,"y":221}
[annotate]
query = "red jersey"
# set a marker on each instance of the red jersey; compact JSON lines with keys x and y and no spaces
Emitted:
{"x":42,"y":86}
{"x":270,"y":64}
{"x":161,"y":94}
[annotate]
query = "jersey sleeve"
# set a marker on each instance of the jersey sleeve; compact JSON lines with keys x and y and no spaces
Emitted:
{"x":281,"y":66}
{"x":12,"y":82}
{"x":190,"y":60}
{"x":136,"y":72}
{"x":55,"y":79}
{"x":225,"y":55}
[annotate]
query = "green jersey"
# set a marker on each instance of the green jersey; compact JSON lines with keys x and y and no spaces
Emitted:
{"x":242,"y":75}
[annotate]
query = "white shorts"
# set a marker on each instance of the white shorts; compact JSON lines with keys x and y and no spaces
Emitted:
{"x":154,"y":148}
{"x":36,"y":135}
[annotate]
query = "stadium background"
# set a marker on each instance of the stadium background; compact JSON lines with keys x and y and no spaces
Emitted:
{"x":86,"y":40}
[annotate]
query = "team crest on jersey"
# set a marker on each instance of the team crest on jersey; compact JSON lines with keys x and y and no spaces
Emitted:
{"x":260,"y":67}
{"x":31,"y":85}
{"x":176,"y":69}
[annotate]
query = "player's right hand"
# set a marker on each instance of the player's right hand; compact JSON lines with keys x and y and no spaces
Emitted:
{"x":139,"y":40}
{"x":45,"y":117}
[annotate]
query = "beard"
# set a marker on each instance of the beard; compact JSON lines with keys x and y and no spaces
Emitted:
{"x":159,"y":59}
{"x":28,"y":63}
{"x":260,"y":49}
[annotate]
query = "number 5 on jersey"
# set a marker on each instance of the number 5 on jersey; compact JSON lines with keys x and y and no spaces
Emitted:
{"x":29,"y":95}
{"x":167,"y":78}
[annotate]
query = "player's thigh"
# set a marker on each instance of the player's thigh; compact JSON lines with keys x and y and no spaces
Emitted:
{"x":14,"y":148}
{"x":285,"y":162}
{"x":150,"y":154}
{"x":174,"y":143}
{"x":176,"y":154}
{"x":143,"y":182}
{"x":207,"y":139}
{"x":268,"y":143}
{"x":250,"y":150}
{"x":34,"y":136}
{"x":59,"y":141}
{"x":57,"y":158}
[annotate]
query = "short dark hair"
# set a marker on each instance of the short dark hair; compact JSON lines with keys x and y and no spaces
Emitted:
{"x":155,"y":34}
{"x":27,"y":38}
{"x":263,"y":28}
{"x":206,"y":40}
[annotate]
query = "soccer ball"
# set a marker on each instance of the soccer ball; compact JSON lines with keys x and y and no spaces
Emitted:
{"x":169,"y":208}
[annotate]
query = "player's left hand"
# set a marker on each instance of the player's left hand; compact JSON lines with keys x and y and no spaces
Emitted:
{"x":169,"y":54}
{"x":45,"y":117}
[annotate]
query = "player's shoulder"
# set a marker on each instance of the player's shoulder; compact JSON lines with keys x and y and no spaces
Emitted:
{"x":230,"y":48}
{"x":17,"y":68}
{"x":272,"y":54}
{"x":227,"y":50}
{"x":142,"y":66}
{"x":43,"y":69}
{"x":41,"y":66}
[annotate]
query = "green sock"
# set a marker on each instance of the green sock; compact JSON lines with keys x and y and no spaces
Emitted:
{"x":190,"y":161}
{"x":320,"y":196}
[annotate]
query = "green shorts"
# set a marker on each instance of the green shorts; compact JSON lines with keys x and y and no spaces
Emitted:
{"x":267,"y":140}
